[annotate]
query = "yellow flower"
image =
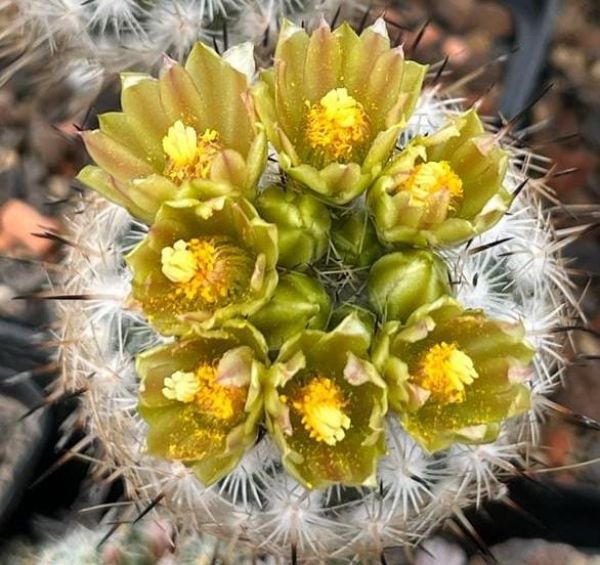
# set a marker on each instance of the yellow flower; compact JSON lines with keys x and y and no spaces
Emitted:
{"x":428,"y":179}
{"x":334,"y":105}
{"x":325,"y":406}
{"x":191,"y":133}
{"x":189,"y":155}
{"x":452,"y":374}
{"x":441,"y":189}
{"x":336,"y":125}
{"x":203,"y":263}
{"x":201,"y":398}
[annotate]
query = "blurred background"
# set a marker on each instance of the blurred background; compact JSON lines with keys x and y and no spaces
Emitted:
{"x":58,"y":68}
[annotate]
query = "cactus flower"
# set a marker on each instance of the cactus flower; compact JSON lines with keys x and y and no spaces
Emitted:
{"x":442,"y":189}
{"x":453,"y":374}
{"x":333,"y":105}
{"x":201,"y":398}
{"x":325,"y":405}
{"x":191,"y":133}
{"x":203,"y":263}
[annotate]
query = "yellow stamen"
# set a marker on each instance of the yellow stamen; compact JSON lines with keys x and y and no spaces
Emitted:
{"x":181,"y":386}
{"x":428,"y":179}
{"x":189,"y":155}
{"x":336,"y":125}
{"x":321,"y":403}
{"x":208,"y":269}
{"x":444,"y":371}
{"x":220,"y":402}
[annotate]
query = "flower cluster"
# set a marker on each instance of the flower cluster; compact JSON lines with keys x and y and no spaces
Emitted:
{"x":313,"y":305}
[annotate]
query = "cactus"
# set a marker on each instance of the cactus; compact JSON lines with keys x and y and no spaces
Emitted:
{"x":394,"y":404}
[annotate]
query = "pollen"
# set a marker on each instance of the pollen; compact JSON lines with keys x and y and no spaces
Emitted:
{"x":429,"y":179}
{"x":189,"y":155}
{"x":220,"y":402}
{"x":321,"y":404}
{"x":336,"y":125}
{"x":210,"y":397}
{"x":445,"y":371}
{"x":203,"y":268}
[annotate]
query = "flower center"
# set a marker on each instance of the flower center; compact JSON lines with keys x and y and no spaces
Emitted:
{"x":189,"y":155}
{"x":429,"y":179}
{"x":336,"y":125}
{"x":444,"y":371}
{"x":201,"y":387}
{"x":320,"y":404}
{"x":210,"y":269}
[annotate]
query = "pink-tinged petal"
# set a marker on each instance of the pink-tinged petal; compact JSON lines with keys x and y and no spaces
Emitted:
{"x":360,"y":55}
{"x":323,"y":66}
{"x":357,"y":371}
{"x":221,"y":89}
{"x":116,"y":159}
{"x":140,"y":100}
{"x":383,"y":83}
{"x":290,"y":94}
{"x":229,"y":167}
{"x":180,"y":98}
{"x":235,"y":367}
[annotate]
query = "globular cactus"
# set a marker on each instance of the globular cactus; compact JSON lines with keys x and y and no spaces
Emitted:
{"x":324,"y":346}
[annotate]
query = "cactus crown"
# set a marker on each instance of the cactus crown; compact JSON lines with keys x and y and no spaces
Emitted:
{"x":318,"y":349}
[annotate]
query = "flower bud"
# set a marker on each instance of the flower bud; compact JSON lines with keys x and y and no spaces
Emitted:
{"x":355,"y":239}
{"x":401,"y":282}
{"x":299,"y":302}
{"x":302,"y":224}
